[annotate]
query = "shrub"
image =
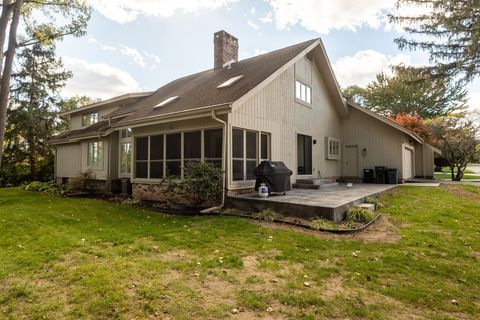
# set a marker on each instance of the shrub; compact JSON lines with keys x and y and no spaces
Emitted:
{"x":202,"y":181}
{"x":322,"y":224}
{"x":47,"y":187}
{"x":268,"y":215}
{"x":375,"y":201}
{"x":361,"y":215}
{"x":130,"y":201}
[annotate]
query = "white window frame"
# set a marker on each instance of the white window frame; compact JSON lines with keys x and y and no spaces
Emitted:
{"x":334,"y":147}
{"x":303,"y":92}
{"x":95,"y":162}
{"x":127,"y":173}
{"x":258,"y":155}
{"x":92,"y":118}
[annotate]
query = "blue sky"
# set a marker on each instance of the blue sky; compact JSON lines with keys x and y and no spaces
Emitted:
{"x":141,"y":45}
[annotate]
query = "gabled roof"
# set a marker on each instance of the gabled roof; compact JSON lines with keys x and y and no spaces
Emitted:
{"x":386,"y":121}
{"x":98,"y":129}
{"x":124,"y":100}
{"x":200,"y":90}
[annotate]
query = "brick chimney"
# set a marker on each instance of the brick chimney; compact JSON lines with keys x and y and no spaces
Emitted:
{"x":225,"y":48}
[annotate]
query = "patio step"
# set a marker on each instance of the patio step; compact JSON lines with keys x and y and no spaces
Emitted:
{"x":305,"y":186}
{"x":314,"y":183}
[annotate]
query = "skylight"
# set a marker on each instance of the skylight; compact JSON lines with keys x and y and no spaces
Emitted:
{"x":165,"y":102}
{"x":230,"y":82}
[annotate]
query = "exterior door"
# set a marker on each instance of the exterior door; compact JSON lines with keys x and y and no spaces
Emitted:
{"x":350,"y":161}
{"x":407,"y":163}
{"x":304,"y":154}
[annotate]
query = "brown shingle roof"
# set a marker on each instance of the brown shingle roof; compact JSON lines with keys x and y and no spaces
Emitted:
{"x":200,"y":89}
{"x":100,"y":127}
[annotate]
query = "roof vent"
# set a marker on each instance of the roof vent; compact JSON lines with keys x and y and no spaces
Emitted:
{"x":165,"y":102}
{"x":230,"y":82}
{"x":228,"y":64}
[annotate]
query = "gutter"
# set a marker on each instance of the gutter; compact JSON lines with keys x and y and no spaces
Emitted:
{"x":224,"y":149}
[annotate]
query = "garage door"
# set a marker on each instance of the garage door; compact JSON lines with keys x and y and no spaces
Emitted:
{"x":407,"y":163}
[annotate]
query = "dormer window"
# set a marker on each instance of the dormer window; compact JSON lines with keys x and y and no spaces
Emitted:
{"x":230,"y":82}
{"x":89,"y":118}
{"x":165,"y":102}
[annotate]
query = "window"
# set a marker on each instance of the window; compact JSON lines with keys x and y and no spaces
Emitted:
{"x":165,"y":102}
{"x":95,"y":155}
{"x":126,"y":133}
{"x":246,"y":152}
{"x":156,"y":157}
{"x":192,"y":147}
{"x":125,"y":157}
{"x":213,"y":146}
{"x":304,"y":154}
{"x":174,"y":155}
{"x":141,"y":157}
{"x":303,"y":92}
{"x":89,"y":118}
{"x":333,"y":148}
{"x":230,"y":82}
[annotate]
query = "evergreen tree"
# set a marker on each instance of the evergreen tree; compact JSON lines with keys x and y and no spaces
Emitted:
{"x":34,"y":105}
{"x":412,"y":91}
{"x":450,"y":33}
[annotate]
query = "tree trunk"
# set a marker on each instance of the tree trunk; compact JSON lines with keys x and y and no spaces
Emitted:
{"x":7,"y":71}
{"x":4,"y":18}
{"x":452,"y":172}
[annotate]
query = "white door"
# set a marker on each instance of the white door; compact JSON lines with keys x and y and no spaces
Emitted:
{"x":350,"y":161}
{"x":407,"y":163}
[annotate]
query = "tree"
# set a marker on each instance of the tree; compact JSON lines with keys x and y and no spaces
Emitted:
{"x":413,"y":91}
{"x":457,"y":137}
{"x":40,"y":30}
{"x":412,"y":122}
{"x":35,"y":99}
{"x":449,"y":32}
{"x":63,"y":123}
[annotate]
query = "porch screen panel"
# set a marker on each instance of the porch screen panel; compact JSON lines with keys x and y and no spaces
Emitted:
{"x":174,"y":154}
{"x":156,"y":157}
{"x":213,"y":146}
{"x":252,"y":153}
{"x":192,"y":147}
{"x":141,"y":157}
{"x":238,"y":155}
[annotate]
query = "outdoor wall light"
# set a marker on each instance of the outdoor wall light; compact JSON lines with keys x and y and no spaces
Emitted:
{"x":364,"y":152}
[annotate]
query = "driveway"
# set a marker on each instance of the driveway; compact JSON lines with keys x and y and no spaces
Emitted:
{"x":474,"y":167}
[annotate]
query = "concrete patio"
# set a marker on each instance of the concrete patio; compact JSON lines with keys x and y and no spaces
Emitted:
{"x":330,"y":202}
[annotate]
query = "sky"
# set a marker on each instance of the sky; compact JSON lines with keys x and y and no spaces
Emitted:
{"x":141,"y":45}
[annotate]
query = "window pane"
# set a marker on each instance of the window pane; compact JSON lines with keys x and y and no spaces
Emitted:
{"x":216,"y":163}
{"x":173,"y":168}
{"x":174,"y":146}
{"x":156,"y":147}
{"x":304,"y":154}
{"x":251,"y":145}
{"x":265,"y":146}
{"x":309,"y":95}
{"x":237,"y":137}
{"x":141,"y":169}
{"x":213,"y":143}
{"x":237,"y":170}
{"x":251,"y":165}
{"x":192,"y":148}
{"x":156,"y":169}
{"x":298,"y":88}
{"x":125,"y":157}
{"x":141,"y":148}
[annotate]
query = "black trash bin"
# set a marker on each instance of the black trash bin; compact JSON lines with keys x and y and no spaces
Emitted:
{"x":367,"y":175}
{"x":274,"y":174}
{"x":126,"y":186}
{"x":392,"y":176}
{"x":380,"y":174}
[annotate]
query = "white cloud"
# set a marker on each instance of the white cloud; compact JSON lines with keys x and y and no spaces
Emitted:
{"x":323,"y":15}
{"x":251,"y":24}
{"x":252,"y":10}
{"x":257,"y":52}
{"x":123,"y":11}
{"x":97,"y":80}
{"x":363,"y":66}
{"x":105,"y":47}
{"x":268,"y":18}
{"x":133,"y":54}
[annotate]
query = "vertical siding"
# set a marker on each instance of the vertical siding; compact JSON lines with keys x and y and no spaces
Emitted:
{"x":114,"y":155}
{"x":274,"y":109}
{"x":383,"y":144}
{"x":68,"y":161}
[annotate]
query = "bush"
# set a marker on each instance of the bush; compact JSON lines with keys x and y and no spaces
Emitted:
{"x":322,"y":224}
{"x":361,"y":215}
{"x":268,"y":215}
{"x":47,"y":187}
{"x":440,"y":163}
{"x":375,"y":201}
{"x":202,"y":181}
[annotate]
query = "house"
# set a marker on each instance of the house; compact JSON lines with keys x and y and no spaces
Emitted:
{"x":284,"y":105}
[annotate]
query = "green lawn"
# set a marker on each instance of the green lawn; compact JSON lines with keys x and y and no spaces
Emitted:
{"x":447,"y":176}
{"x":80,"y":258}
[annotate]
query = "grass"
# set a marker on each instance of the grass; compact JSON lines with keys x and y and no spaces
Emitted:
{"x":447,"y":176}
{"x":82,"y":258}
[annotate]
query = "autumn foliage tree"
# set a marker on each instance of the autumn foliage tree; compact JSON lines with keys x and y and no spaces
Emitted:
{"x":413,"y":123}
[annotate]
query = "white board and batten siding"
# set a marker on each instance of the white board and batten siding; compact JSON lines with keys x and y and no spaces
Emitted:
{"x":378,"y":144}
{"x":68,"y":160}
{"x":275,"y":110}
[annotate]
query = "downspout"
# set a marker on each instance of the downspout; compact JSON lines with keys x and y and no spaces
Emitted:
{"x":224,"y":149}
